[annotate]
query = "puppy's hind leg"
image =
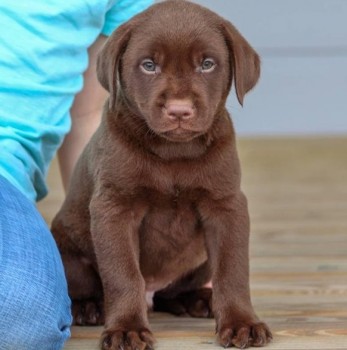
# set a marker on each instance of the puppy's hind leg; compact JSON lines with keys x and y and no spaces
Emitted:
{"x":84,"y":284}
{"x":187,"y":296}
{"x":85,"y":290}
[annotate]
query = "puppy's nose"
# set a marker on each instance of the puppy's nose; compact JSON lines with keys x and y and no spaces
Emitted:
{"x":178,"y":110}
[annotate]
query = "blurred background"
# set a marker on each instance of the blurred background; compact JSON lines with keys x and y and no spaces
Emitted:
{"x":303,"y":47}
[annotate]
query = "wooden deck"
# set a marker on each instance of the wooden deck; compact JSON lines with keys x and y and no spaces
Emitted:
{"x":297,"y":190}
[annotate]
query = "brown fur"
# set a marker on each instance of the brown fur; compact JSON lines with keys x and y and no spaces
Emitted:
{"x":155,"y":200}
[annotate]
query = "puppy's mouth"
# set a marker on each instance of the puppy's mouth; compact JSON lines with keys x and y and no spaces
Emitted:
{"x":180,"y":134}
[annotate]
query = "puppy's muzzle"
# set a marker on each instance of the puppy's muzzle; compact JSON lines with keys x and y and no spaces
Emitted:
{"x":176,"y":111}
{"x":179,"y":112}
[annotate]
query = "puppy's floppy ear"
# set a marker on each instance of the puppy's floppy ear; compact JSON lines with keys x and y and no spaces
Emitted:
{"x":108,"y":60}
{"x":245,"y":61}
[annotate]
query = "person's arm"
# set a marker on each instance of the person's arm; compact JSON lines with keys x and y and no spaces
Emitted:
{"x":85,"y":116}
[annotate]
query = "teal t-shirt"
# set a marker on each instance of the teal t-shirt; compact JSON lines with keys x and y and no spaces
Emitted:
{"x":43,"y":54}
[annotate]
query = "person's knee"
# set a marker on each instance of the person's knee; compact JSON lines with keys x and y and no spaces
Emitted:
{"x":34,"y":303}
{"x":34,"y":317}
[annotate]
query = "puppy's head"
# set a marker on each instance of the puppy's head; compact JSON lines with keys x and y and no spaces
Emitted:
{"x":174,"y":65}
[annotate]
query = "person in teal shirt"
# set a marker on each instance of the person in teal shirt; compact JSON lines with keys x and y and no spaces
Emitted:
{"x":50,"y":99}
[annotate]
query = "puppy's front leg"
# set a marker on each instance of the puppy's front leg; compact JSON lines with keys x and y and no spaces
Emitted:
{"x":114,"y":231}
{"x":226,"y":225}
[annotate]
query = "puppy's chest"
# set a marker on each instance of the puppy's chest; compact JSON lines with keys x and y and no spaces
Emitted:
{"x":171,"y":236}
{"x":172,"y":213}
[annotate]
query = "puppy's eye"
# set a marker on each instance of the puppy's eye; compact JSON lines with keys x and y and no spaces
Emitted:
{"x":149,"y":66}
{"x":207,"y":65}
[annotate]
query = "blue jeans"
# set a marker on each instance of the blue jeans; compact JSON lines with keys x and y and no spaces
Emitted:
{"x":34,"y":303}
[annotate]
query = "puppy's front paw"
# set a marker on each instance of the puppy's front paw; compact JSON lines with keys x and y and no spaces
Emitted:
{"x":244,"y":334}
{"x":117,"y":339}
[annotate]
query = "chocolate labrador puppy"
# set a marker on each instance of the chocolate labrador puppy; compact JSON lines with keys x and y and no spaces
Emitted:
{"x":155,"y":202}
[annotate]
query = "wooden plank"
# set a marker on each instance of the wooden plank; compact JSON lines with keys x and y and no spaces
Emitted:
{"x":184,"y":333}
